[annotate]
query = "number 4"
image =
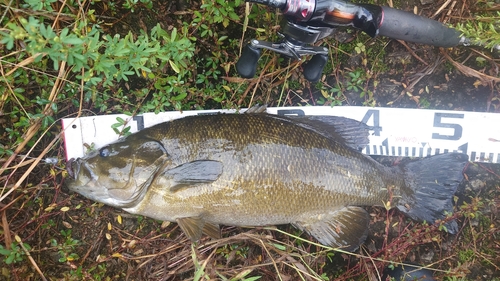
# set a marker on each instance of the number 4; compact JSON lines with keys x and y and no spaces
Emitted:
{"x":376,"y":121}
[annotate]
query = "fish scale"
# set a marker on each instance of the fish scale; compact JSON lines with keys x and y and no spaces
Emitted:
{"x":308,"y":156}
{"x":258,"y":169}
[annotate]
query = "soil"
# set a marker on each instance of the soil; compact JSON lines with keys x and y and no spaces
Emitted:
{"x":90,"y":241}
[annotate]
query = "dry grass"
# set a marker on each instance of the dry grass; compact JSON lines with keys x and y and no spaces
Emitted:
{"x":71,"y":238}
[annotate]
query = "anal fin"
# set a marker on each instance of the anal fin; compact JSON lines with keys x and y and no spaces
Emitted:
{"x":346,"y":228}
{"x":212,"y":230}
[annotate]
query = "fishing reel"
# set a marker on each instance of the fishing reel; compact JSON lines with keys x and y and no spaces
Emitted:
{"x":307,"y":21}
{"x":294,"y":45}
{"x":304,"y":23}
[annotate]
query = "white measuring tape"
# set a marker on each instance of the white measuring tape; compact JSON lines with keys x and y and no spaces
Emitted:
{"x":394,"y":131}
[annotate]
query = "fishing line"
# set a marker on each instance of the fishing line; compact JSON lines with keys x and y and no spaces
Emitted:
{"x":46,"y":160}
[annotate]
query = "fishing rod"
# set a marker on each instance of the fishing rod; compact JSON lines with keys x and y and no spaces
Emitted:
{"x":307,"y":21}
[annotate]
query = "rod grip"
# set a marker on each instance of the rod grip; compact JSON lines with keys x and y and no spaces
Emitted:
{"x":409,"y":27}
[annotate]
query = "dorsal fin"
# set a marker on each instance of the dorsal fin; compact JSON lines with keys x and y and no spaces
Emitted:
{"x":256,"y":109}
{"x":348,"y":131}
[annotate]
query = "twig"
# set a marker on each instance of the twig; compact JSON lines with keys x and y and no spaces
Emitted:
{"x":441,"y":9}
{"x":245,"y":25}
{"x":272,"y":259}
{"x":37,"y":13}
{"x":6,"y":230}
{"x":412,"y":52}
{"x":32,"y":131}
{"x":18,"y":239}
{"x":428,"y":71}
{"x":449,"y":11}
{"x":7,"y":8}
{"x":467,"y":71}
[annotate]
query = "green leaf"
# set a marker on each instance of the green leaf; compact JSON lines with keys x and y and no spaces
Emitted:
{"x":7,"y":40}
{"x":174,"y":34}
{"x":121,"y":120}
{"x":252,"y":278}
{"x":72,"y":40}
{"x":234,"y":17}
{"x":174,"y":66}
{"x":279,"y":246}
{"x":4,"y":252}
{"x":180,"y":97}
{"x":9,"y":259}
{"x":126,"y":130}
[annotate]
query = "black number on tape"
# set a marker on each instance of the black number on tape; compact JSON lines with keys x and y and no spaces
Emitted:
{"x":140,"y":122}
{"x":463,"y":148}
{"x":296,"y":112}
{"x":438,"y":123}
{"x":376,"y":121}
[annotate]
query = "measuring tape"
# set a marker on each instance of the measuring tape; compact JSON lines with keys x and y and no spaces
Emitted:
{"x":394,"y":131}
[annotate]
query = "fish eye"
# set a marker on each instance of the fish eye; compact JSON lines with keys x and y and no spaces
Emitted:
{"x":104,"y":152}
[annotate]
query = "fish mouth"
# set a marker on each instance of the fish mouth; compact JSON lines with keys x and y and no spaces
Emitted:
{"x":69,"y":168}
{"x":73,"y":168}
{"x":80,"y":174}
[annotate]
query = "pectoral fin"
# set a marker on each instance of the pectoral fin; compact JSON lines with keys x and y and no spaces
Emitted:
{"x":346,"y":228}
{"x":193,"y":173}
{"x":194,"y":227}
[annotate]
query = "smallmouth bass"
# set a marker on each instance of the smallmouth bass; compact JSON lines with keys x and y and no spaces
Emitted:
{"x":260,"y":169}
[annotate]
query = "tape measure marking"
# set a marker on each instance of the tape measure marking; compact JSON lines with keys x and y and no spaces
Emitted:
{"x":394,"y":131}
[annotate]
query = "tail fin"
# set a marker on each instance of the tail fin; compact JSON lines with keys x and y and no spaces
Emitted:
{"x":429,"y":187}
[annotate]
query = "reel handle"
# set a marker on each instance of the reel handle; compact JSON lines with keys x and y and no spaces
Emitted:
{"x":247,"y":63}
{"x":314,"y":68}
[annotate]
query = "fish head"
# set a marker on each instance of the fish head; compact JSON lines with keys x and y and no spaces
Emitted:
{"x":120,"y":173}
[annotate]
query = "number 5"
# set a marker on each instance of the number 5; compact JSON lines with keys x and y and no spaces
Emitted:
{"x":438,"y":123}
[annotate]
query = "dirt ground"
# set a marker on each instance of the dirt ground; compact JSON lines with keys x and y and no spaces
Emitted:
{"x":73,"y":238}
